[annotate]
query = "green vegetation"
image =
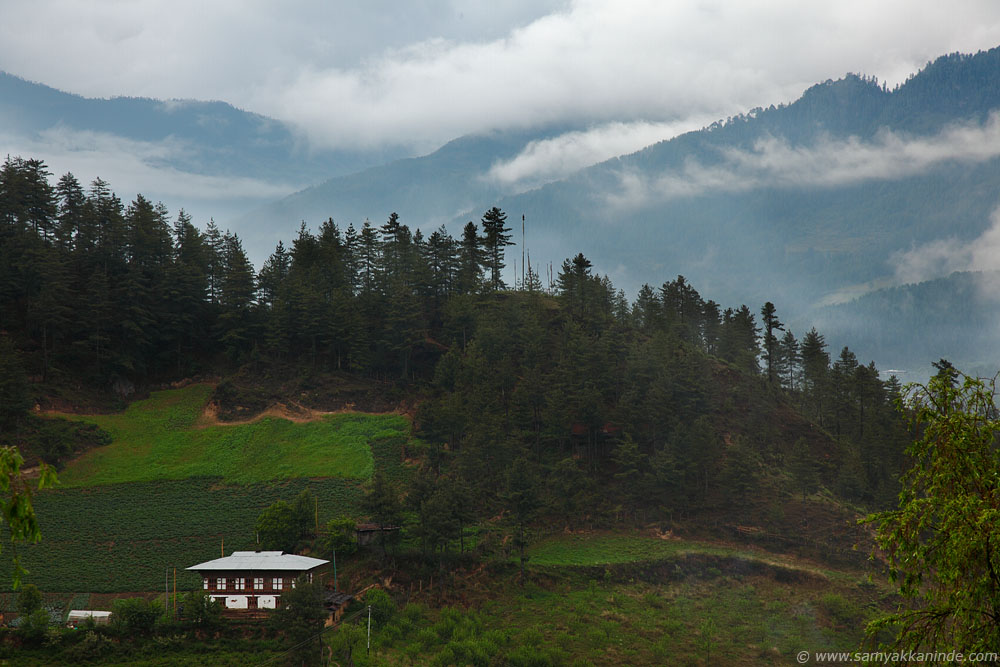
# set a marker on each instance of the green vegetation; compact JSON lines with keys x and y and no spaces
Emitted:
{"x":601,"y":549}
{"x":739,"y":620}
{"x":941,"y":543}
{"x":160,"y":438}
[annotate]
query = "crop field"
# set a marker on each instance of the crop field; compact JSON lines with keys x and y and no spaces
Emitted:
{"x":161,"y":438}
{"x":126,"y":536}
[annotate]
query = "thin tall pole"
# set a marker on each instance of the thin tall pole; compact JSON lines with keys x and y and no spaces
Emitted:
{"x":522,"y":251}
{"x":334,"y":570}
{"x":369,"y":648}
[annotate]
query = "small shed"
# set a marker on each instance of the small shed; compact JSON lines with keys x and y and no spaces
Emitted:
{"x":335,"y":603}
{"x":78,"y":617}
{"x":367,"y":532}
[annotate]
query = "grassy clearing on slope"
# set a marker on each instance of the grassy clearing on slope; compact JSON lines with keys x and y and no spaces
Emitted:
{"x":593,"y":549}
{"x":695,"y":621}
{"x":601,"y":549}
{"x":159,"y":438}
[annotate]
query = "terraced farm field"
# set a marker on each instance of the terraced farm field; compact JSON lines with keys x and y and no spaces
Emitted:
{"x":167,"y":493}
{"x":162,"y":438}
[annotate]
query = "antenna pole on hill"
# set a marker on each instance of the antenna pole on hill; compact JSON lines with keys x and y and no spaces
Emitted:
{"x":522,"y":251}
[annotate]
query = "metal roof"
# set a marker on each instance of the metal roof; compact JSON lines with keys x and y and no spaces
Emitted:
{"x":87,"y":613}
{"x":261,"y":560}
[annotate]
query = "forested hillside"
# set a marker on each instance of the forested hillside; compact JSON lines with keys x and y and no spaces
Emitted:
{"x":674,"y":401}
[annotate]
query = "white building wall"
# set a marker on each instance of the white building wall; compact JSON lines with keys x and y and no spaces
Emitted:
{"x":267,"y":602}
{"x":236,"y":601}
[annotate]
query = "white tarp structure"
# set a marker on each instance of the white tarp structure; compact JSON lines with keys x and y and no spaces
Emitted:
{"x":79,"y":616}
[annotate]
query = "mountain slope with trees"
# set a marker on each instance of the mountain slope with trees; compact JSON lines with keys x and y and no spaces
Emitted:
{"x":673,"y":402}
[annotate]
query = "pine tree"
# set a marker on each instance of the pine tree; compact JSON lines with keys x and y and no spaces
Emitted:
{"x":771,"y":324}
{"x":788,"y":360}
{"x":470,"y":260}
{"x":495,"y":238}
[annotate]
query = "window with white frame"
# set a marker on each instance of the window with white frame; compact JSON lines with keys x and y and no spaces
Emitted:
{"x":204,"y":583}
{"x":240,"y":583}
{"x":277,"y":583}
{"x":258,"y":583}
{"x":220,"y":584}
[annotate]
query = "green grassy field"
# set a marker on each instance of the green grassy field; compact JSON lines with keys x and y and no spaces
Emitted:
{"x":159,"y":438}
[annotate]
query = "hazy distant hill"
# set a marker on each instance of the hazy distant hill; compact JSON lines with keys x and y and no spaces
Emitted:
{"x":778,"y":204}
{"x":910,"y":326}
{"x":208,"y":138}
{"x":425,"y":191}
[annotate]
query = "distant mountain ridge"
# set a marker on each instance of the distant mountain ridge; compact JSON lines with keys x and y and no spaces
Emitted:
{"x":217,"y":138}
{"x":778,"y":239}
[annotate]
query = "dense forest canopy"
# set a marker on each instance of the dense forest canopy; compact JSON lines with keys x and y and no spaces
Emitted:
{"x":669,"y":393}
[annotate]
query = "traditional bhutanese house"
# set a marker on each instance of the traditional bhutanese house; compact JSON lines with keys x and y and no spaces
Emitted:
{"x":254,"y":579}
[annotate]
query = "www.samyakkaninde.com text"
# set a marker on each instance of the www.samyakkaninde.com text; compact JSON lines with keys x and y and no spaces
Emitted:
{"x":896,"y":657}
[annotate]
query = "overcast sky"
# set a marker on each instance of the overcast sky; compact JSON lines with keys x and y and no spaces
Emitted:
{"x":420,"y":73}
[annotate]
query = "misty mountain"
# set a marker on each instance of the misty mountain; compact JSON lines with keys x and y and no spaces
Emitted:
{"x":797,"y":204}
{"x":851,"y":188}
{"x":923,"y":321}
{"x":198,"y":138}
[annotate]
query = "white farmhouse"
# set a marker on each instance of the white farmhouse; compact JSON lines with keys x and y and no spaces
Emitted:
{"x":254,"y":579}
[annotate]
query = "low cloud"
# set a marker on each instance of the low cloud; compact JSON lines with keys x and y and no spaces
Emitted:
{"x":774,"y":162}
{"x":943,"y":257}
{"x":549,"y":160}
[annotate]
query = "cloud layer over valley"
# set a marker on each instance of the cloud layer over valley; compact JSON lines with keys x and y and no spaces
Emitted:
{"x":423,"y":73}
{"x":774,"y":162}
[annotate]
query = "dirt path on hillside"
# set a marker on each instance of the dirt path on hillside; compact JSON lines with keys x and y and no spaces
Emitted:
{"x":292,"y":411}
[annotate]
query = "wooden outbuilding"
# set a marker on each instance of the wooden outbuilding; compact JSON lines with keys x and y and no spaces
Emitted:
{"x":368,"y":532}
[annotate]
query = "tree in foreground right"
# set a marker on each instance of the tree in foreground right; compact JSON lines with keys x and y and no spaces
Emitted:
{"x":942,"y":544}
